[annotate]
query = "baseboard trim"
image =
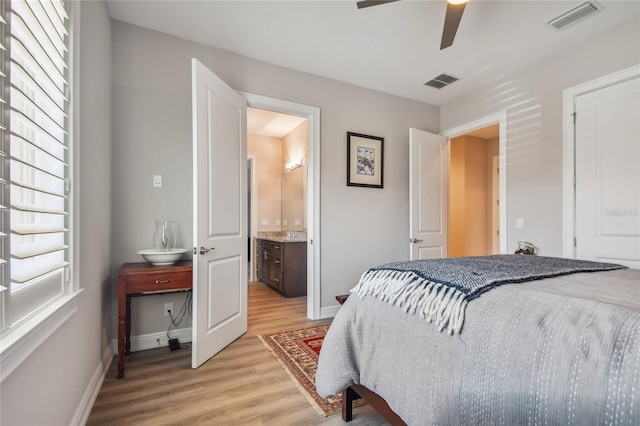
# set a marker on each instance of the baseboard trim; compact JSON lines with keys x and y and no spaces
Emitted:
{"x":83,"y":411}
{"x":329,"y":311}
{"x":154,"y":340}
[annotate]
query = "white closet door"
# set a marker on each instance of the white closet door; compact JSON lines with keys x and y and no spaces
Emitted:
{"x":607,"y":193}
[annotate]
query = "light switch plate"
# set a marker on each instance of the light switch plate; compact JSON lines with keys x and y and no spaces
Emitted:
{"x":520,"y":222}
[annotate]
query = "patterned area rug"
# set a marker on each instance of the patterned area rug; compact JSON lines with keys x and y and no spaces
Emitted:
{"x":297,"y":352}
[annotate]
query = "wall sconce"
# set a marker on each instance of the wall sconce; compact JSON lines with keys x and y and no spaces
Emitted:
{"x":292,"y":165}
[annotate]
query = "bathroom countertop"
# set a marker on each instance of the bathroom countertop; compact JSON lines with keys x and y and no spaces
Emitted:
{"x":283,"y":239}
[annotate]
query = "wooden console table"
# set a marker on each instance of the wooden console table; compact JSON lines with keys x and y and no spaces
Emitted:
{"x":140,"y":279}
{"x":341,"y":298}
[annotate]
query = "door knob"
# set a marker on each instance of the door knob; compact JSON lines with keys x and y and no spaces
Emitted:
{"x":205,"y":250}
{"x":414,"y":240}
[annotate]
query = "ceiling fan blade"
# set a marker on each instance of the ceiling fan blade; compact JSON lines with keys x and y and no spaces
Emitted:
{"x":451,"y":22}
{"x":369,"y":3}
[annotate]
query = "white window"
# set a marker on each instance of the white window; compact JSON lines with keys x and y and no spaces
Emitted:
{"x":35,"y":212}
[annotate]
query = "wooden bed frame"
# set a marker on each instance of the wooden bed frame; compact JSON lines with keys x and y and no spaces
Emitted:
{"x":354,"y":392}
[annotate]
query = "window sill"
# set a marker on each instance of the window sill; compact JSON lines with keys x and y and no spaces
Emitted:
{"x":21,"y":342}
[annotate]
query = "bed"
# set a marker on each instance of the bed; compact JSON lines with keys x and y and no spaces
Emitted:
{"x":557,"y":349}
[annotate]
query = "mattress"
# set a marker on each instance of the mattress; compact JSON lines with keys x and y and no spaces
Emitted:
{"x":563,"y":350}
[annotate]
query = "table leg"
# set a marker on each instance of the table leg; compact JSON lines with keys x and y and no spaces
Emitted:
{"x":122,"y":321}
{"x":128,"y":318}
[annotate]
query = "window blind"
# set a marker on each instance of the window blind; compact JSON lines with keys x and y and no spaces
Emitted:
{"x":4,"y":173}
{"x":35,"y":156}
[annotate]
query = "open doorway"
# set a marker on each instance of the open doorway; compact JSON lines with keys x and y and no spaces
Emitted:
{"x":277,"y":148}
{"x":313,"y":243}
{"x":483,"y":171}
{"x":474,"y":197}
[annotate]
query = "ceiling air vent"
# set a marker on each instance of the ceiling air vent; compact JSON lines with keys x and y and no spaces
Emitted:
{"x":441,"y":81}
{"x":574,"y":15}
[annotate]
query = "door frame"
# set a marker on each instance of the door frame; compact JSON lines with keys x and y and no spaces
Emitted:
{"x":500,"y":119}
{"x":312,"y":114}
{"x":253,"y":220}
{"x":568,"y":149}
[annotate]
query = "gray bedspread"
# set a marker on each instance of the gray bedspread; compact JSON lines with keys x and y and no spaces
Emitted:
{"x":439,"y":289}
{"x":559,"y":351}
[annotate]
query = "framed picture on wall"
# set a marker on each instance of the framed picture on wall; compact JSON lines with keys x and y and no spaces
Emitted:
{"x":364,"y":160}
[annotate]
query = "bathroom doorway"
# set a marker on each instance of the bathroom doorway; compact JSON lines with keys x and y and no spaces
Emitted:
{"x":277,"y":146}
{"x":305,"y":161}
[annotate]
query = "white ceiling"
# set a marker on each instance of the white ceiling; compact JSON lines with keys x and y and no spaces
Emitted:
{"x":392,"y":48}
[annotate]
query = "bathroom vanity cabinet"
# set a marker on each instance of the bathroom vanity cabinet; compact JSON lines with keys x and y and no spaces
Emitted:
{"x":282,"y":265}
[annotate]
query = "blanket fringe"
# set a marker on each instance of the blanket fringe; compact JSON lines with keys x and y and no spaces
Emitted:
{"x":435,"y":302}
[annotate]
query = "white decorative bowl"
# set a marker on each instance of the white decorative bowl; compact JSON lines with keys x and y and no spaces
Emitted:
{"x":166,"y":257}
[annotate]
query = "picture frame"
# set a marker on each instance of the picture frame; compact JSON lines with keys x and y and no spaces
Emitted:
{"x":365,"y":160}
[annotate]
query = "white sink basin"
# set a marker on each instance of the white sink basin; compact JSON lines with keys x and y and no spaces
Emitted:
{"x":166,"y":257}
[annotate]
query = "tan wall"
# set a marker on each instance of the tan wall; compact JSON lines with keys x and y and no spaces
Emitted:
{"x":457,"y":199}
{"x":294,"y":184}
{"x":476,"y":194}
{"x":272,"y":154}
{"x":295,"y":145}
{"x":470,"y":196}
{"x":268,"y":153}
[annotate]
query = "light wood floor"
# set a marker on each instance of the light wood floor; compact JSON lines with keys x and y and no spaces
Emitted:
{"x":242,"y":385}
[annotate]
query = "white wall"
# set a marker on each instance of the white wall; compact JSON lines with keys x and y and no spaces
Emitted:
{"x":54,"y":386}
{"x":152,"y":134}
{"x":533,"y":102}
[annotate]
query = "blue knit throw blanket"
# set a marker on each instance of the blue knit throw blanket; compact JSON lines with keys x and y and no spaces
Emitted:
{"x":439,"y":289}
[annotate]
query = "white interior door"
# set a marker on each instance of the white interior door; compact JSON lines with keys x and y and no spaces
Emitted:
{"x":607,"y":158}
{"x":429,"y":200}
{"x":220,"y":214}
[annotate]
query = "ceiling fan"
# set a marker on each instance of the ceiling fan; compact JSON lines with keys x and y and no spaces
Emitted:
{"x":451,"y":19}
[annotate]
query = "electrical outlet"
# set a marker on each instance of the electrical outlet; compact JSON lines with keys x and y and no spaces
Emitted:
{"x":168,"y":307}
{"x":157,"y":181}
